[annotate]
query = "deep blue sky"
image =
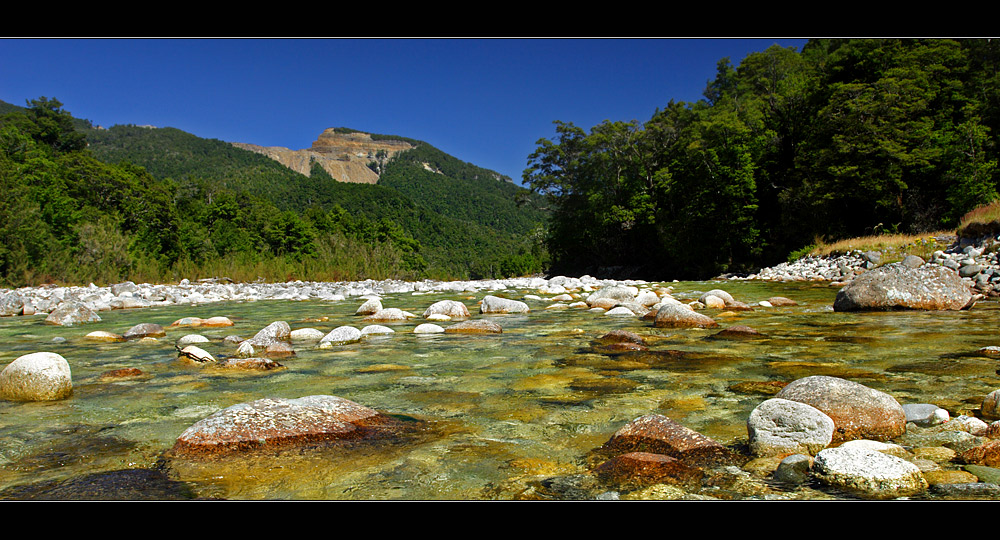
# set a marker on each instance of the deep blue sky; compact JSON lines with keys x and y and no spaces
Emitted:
{"x":485,"y":101}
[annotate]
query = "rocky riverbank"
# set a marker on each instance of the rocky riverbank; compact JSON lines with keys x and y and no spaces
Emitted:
{"x":975,"y":260}
{"x":74,"y":304}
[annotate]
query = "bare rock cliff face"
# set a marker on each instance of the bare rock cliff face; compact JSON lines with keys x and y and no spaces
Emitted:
{"x":344,"y":155}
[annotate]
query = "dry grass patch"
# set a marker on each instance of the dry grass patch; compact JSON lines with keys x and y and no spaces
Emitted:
{"x":981,"y":221}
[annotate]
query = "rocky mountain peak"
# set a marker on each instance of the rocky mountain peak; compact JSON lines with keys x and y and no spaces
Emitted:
{"x":345,"y":155}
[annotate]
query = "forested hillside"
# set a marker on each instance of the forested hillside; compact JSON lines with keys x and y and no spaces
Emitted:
{"x":160,"y":204}
{"x":844,"y":138}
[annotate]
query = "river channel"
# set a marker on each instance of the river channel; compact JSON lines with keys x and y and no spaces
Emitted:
{"x":506,"y":409}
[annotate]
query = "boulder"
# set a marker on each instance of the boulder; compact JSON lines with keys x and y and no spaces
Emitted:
{"x":679,"y":316}
{"x":142,"y":330}
{"x":987,"y":454}
{"x":126,"y":287}
{"x":196,"y":354}
{"x":341,"y":334}
{"x":102,"y":335}
{"x":217,"y":321}
{"x":273,"y":423}
{"x":479,"y":326}
{"x":372,"y":305}
{"x":718,"y":293}
{"x":305,"y":335}
{"x":376,"y":330}
{"x":782,"y":427}
{"x":644,"y":468}
{"x":658,"y":434}
{"x":450,"y":308}
{"x":276,"y":331}
{"x":868,"y":473}
{"x":897,"y":286}
{"x":495,"y":304}
{"x":612,"y":295}
{"x":11,"y":303}
{"x":389,"y":315}
{"x":428,"y":328}
{"x":41,"y":376}
{"x":249,"y":364}
{"x":189,"y":340}
{"x":71,"y":313}
{"x":859,"y":412}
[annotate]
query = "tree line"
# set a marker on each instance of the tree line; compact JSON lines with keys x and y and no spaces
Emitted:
{"x":847,"y":137}
{"x":81,"y":205}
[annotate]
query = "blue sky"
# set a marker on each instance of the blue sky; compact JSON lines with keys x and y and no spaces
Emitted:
{"x":485,"y":101}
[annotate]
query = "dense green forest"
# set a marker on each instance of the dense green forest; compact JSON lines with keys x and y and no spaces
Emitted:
{"x":843,"y":138}
{"x":82,"y":204}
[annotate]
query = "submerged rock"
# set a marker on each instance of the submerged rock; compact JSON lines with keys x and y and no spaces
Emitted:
{"x":897,"y":286}
{"x":644,"y":468}
{"x":120,"y":485}
{"x":41,"y":376}
{"x":275,"y":422}
{"x":658,"y":434}
{"x":249,"y":364}
{"x":474,"y":327}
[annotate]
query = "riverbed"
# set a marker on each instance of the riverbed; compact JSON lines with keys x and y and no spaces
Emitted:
{"x":505,"y":412}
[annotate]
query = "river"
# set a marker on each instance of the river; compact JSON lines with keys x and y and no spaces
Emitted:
{"x":507,"y":411}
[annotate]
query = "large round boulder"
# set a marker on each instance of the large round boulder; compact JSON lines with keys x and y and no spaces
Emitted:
{"x":142,"y":330}
{"x":613,"y":294}
{"x":898,"y":286}
{"x":785,"y":427}
{"x":275,"y":422}
{"x":41,"y":376}
{"x":496,"y":304}
{"x":858,"y":412}
{"x":450,"y":308}
{"x":681,"y":316}
{"x":276,"y":331}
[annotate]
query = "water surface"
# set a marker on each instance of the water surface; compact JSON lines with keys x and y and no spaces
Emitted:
{"x":504,"y":410}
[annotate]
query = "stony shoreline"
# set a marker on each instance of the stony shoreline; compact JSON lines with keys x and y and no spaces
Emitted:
{"x":975,"y":260}
{"x":129,"y":295}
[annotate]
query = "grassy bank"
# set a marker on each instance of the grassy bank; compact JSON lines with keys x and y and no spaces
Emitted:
{"x":981,"y":221}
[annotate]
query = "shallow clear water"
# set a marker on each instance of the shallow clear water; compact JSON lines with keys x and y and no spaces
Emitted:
{"x":503,"y":409}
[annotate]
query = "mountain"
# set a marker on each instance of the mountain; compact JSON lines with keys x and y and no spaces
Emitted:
{"x":467,"y":221}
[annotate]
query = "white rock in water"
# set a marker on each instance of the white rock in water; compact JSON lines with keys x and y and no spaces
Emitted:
{"x":868,"y":473}
{"x":41,"y":376}
{"x":428,"y":328}
{"x":495,"y":304}
{"x":341,"y":334}
{"x":306,"y":334}
{"x":197,"y":354}
{"x":781,"y":426}
{"x":372,"y":305}
{"x":245,"y":350}
{"x":376,"y":329}
{"x":191,"y":338}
